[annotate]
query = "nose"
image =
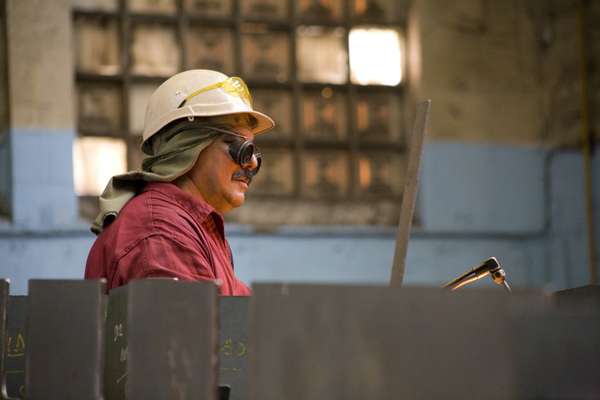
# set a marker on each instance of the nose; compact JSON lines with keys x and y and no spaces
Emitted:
{"x":252,"y":164}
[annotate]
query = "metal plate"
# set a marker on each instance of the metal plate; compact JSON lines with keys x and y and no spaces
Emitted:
{"x":65,"y":331}
{"x":168,"y":344}
{"x":557,"y":355}
{"x":4,"y":287}
{"x":580,"y":298}
{"x":115,"y":371}
{"x":233,"y":347}
{"x":15,"y":346}
{"x":386,"y":343}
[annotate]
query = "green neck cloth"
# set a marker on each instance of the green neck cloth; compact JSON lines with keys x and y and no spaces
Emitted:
{"x":170,"y":155}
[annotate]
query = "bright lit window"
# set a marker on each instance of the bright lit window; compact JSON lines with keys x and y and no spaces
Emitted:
{"x":95,"y":161}
{"x":375,"y":56}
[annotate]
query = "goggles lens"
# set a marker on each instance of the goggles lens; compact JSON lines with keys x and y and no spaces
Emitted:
{"x":233,"y":86}
{"x":242,"y":151}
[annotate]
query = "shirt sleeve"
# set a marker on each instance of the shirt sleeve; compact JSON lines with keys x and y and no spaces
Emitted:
{"x":161,"y":256}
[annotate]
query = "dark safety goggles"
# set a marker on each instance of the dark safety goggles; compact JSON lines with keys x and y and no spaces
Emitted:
{"x":240,"y":149}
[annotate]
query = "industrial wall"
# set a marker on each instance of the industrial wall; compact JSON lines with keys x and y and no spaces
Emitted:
{"x":502,"y":174}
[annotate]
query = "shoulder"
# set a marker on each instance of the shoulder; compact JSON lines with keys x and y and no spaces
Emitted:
{"x":152,"y":212}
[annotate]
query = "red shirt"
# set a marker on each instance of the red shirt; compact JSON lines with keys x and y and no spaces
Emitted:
{"x":165,"y":232}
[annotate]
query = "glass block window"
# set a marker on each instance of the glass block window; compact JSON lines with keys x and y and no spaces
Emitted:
{"x":154,"y":50}
{"x":210,"y":48}
{"x":330,"y":73}
{"x":208,"y":8}
{"x":375,"y":56}
{"x":97,"y":46}
{"x":322,"y":54}
{"x":91,"y":152}
{"x":265,"y":9}
{"x":324,"y":116}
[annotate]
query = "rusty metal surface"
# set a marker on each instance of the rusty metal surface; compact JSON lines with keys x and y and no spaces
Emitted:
{"x":15,"y":346}
{"x":233,"y":345}
{"x":381,"y":343}
{"x":164,"y":335}
{"x":233,"y":340}
{"x":4,"y":288}
{"x":65,"y":330}
{"x":115,"y":370}
{"x":409,"y":195}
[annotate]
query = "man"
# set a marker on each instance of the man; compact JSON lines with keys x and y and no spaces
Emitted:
{"x":167,"y":220}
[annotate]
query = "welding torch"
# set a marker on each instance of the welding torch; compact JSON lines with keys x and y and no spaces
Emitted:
{"x":491,"y":267}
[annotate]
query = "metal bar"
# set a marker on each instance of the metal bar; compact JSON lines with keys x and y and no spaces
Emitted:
{"x":162,"y":341}
{"x":233,"y":346}
{"x":382,"y":343}
{"x":13,"y":385}
{"x":586,"y":148}
{"x":409,"y":194}
{"x":65,"y":330}
{"x":4,"y":285}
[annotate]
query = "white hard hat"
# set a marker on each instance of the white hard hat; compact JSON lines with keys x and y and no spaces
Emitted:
{"x":200,"y":93}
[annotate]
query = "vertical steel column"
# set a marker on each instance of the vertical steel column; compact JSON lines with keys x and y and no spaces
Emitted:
{"x":586,"y":147}
{"x":409,"y":194}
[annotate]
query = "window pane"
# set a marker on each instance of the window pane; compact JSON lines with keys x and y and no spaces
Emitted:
{"x":210,"y":48}
{"x":375,"y":56}
{"x":381,"y":174}
{"x":95,"y":5}
{"x":155,"y":50}
{"x":266,"y":56}
{"x":99,"y":108}
{"x":278,"y":105}
{"x":379,"y":118}
{"x":138,"y":99}
{"x":152,"y":6}
{"x":322,"y":54}
{"x":324,"y":115}
{"x":208,"y":8}
{"x":276,"y":173}
{"x":320,"y":9}
{"x":95,"y":161}
{"x":265,"y":8}
{"x":380,"y":10}
{"x":97,"y":45}
{"x":325,"y":173}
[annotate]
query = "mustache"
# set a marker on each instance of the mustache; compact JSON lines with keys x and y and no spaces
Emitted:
{"x":246,"y":173}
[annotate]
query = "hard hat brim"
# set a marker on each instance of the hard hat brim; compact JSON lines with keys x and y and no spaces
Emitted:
{"x":264,"y":122}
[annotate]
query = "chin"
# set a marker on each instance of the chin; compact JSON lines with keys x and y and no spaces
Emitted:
{"x":236,"y":199}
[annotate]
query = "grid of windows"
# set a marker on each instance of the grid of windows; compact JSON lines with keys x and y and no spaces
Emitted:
{"x":328,"y":71}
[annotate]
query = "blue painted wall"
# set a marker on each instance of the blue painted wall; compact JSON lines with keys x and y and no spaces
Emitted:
{"x":42,"y":192}
{"x":483,"y":188}
{"x":524,"y":206}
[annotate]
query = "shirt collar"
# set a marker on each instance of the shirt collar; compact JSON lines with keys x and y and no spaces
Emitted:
{"x":196,"y":206}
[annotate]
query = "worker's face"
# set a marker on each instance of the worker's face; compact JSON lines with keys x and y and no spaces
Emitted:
{"x":222,"y":182}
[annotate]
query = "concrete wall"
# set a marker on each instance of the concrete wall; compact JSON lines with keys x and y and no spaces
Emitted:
{"x":503,"y":77}
{"x":41,"y":122}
